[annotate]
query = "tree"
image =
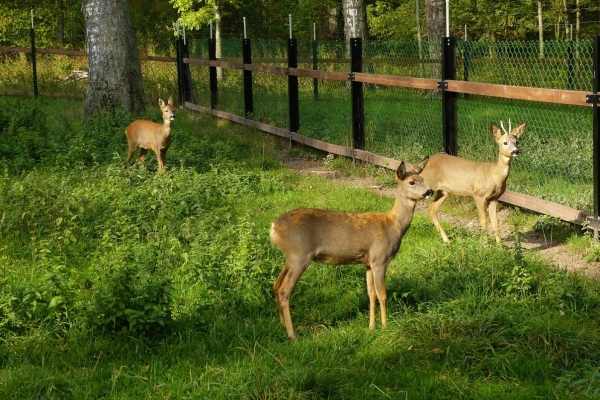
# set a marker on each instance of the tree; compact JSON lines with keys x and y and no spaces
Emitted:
{"x":115,"y":77}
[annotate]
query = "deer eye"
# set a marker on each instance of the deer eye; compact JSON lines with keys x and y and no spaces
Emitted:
{"x":412,"y":183}
{"x":505,"y":143}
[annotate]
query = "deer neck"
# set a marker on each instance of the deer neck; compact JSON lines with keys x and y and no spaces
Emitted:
{"x":166,"y":127}
{"x":503,"y":164}
{"x":402,"y":213}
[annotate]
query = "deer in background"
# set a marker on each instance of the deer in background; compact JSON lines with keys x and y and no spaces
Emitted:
{"x":335,"y":238}
{"x":483,"y":181}
{"x":150,"y":135}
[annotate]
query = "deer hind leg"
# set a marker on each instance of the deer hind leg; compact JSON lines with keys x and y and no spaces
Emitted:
{"x":132,"y":149}
{"x":440,"y":197}
{"x":143,"y":152}
{"x":283,"y":287}
{"x":492,"y":209}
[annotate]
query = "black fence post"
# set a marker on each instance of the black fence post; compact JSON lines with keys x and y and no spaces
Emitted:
{"x":293,"y":86}
{"x":33,"y":61}
{"x":596,"y":117}
{"x":315,"y":67}
{"x":212,"y":72}
{"x":358,"y":111}
{"x":187,"y":87}
{"x":570,"y":64}
{"x":449,"y":118}
{"x":247,"y":59}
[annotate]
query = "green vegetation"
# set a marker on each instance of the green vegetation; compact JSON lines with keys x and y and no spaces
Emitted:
{"x":135,"y":284}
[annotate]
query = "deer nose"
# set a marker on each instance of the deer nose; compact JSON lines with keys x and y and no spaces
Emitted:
{"x":428,"y":193}
{"x":515,"y":152}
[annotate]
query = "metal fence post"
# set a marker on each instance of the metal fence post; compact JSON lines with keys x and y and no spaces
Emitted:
{"x":212,"y":72}
{"x":247,"y":59}
{"x":596,"y":118}
{"x":466,"y":64}
{"x":186,"y":74}
{"x":449,"y":119}
{"x":293,"y":86}
{"x":33,"y":61}
{"x":570,"y":64}
{"x":358,"y":111}
{"x":315,"y":67}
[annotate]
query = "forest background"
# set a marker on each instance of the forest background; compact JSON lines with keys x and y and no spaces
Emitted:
{"x":60,"y":23}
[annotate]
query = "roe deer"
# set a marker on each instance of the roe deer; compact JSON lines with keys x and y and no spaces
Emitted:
{"x":485,"y":182}
{"x":334,"y":238}
{"x":150,"y":135}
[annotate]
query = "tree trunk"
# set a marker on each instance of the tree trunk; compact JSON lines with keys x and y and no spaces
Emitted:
{"x":541,"y":28}
{"x":355,"y":19}
{"x":115,"y":77}
{"x":420,"y":38}
{"x":436,"y":11}
{"x":218,"y":39}
{"x":60,"y":22}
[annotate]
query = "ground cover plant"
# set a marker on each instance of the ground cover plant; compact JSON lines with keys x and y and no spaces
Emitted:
{"x":135,"y":283}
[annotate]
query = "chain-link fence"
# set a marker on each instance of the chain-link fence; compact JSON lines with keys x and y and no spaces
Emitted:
{"x":406,"y":124}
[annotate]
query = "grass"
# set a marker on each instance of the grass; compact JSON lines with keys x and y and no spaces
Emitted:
{"x":135,"y":284}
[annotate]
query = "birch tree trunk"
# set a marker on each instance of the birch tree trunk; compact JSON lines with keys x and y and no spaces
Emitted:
{"x":436,"y":11}
{"x":115,"y":77}
{"x":541,"y":28}
{"x":355,"y":19}
{"x":218,"y":39}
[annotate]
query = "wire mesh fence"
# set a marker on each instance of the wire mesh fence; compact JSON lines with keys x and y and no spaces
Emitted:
{"x":406,"y":124}
{"x":400,"y":123}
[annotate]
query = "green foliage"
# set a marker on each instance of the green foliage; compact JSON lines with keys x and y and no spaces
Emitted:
{"x":135,"y":283}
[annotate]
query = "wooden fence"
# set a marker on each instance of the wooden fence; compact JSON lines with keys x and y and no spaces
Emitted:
{"x":449,"y":86}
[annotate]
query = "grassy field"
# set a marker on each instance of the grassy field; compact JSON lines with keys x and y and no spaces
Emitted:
{"x":128,"y":284}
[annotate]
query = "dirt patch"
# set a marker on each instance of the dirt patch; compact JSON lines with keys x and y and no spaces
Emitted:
{"x":550,"y":249}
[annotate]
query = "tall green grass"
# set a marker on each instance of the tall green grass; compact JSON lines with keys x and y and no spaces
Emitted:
{"x":135,"y":284}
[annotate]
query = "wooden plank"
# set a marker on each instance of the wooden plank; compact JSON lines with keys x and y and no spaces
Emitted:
{"x":415,"y":83}
{"x":546,"y":207}
{"x":11,"y":92}
{"x":570,"y":97}
{"x":376,"y":159}
{"x":157,"y":58}
{"x":266,"y":68}
{"x":196,"y":61}
{"x":319,"y":74}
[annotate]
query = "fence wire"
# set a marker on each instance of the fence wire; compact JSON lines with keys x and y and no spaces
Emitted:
{"x":406,"y":124}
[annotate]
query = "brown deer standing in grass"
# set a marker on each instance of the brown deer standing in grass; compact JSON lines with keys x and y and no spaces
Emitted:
{"x":483,"y":181}
{"x":150,"y":135}
{"x":335,"y":238}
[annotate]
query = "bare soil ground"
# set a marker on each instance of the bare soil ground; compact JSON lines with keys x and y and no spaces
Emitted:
{"x":550,"y":249}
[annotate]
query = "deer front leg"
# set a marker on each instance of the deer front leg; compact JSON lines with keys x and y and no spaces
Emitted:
{"x":493,"y":210}
{"x":379,"y":283}
{"x":481,"y":204}
{"x":372,"y":298}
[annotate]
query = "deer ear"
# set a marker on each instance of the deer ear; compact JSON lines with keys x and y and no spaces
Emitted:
{"x":519,"y":130}
{"x":420,"y":165}
{"x":161,"y":103}
{"x":401,"y":171}
{"x":170,"y":101}
{"x":496,"y":131}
